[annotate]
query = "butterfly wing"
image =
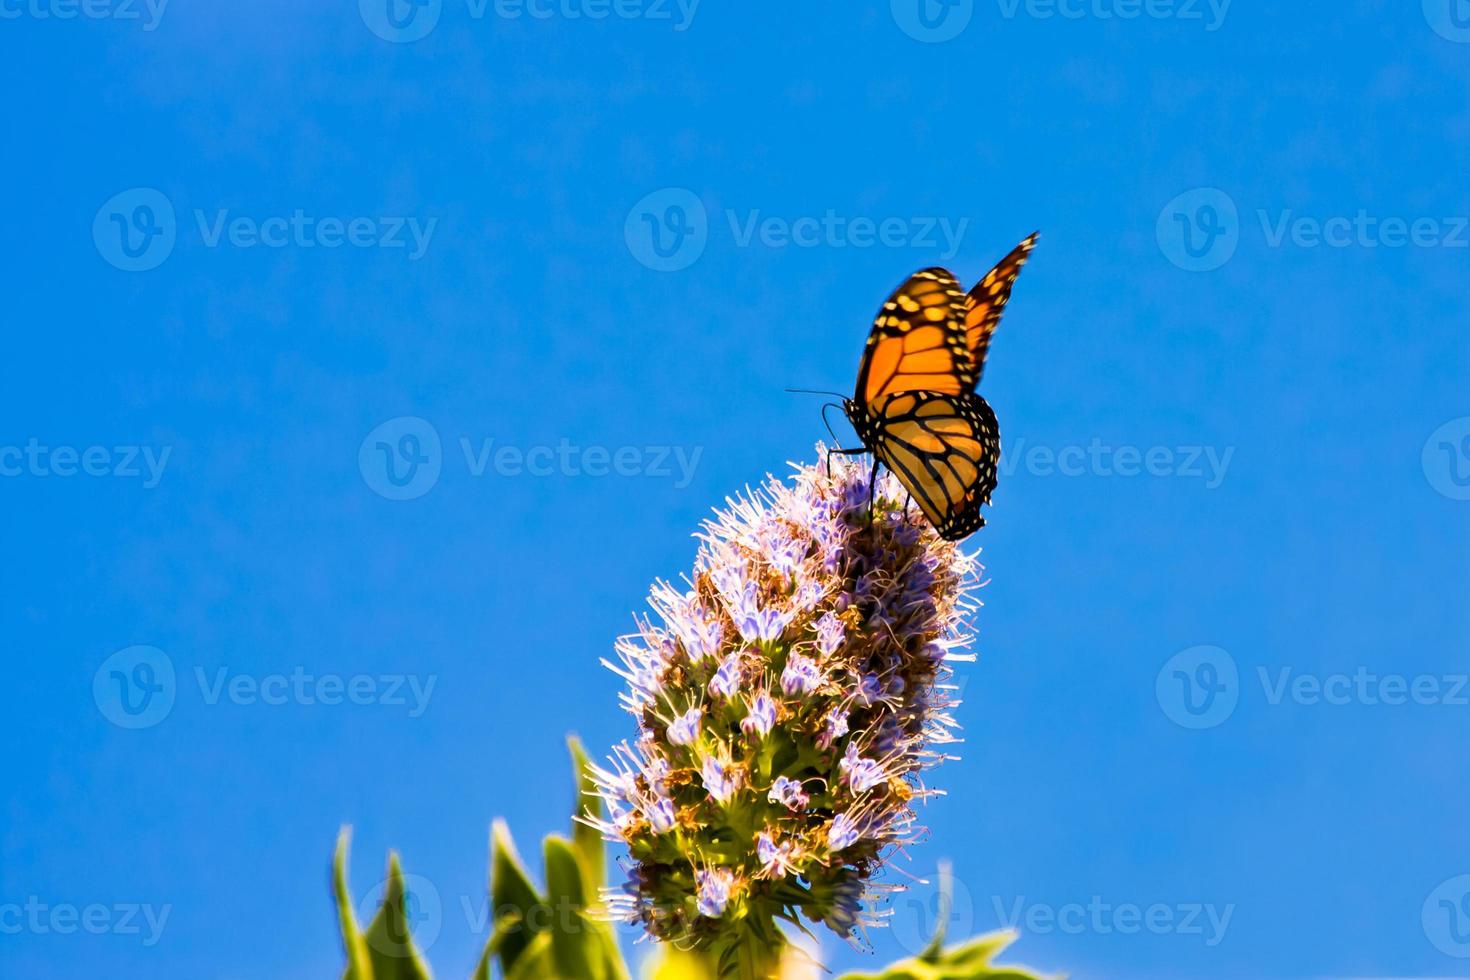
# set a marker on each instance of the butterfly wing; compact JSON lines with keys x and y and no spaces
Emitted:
{"x":918,"y":341}
{"x":983,"y":305}
{"x":943,"y":449}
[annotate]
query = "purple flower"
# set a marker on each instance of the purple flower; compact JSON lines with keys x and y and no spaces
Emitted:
{"x":784,"y":553}
{"x":684,"y":729}
{"x":801,"y":675}
{"x":762,"y":716}
{"x":775,"y":859}
{"x":806,"y":606}
{"x":755,"y":623}
{"x":660,"y":815}
{"x":833,"y":728}
{"x":787,"y":792}
{"x":861,"y":774}
{"x":727,"y":679}
{"x":869,"y":690}
{"x":843,"y":833}
{"x":714,"y":890}
{"x":830,"y":634}
{"x":720,"y":780}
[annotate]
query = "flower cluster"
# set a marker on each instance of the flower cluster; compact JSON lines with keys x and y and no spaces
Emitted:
{"x":788,"y":702}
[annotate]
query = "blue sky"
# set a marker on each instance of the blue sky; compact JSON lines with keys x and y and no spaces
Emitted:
{"x":1216,"y":727}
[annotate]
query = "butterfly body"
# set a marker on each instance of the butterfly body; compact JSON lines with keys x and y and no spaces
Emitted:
{"x":916,"y":409}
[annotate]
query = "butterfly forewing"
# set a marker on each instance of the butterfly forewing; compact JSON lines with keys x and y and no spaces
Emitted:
{"x":918,"y":340}
{"x":983,"y":305}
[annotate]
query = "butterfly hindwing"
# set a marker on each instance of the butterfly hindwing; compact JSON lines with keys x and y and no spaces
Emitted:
{"x":943,"y":449}
{"x":983,"y":305}
{"x":918,"y":340}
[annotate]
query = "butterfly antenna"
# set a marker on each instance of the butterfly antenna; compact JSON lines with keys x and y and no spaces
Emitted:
{"x":827,"y":422}
{"x":809,"y":391}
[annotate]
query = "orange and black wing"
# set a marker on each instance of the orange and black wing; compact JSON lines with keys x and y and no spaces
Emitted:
{"x":944,"y":450}
{"x":918,"y":341}
{"x":983,"y":305}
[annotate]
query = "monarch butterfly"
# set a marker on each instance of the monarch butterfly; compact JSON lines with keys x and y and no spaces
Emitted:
{"x":916,"y":409}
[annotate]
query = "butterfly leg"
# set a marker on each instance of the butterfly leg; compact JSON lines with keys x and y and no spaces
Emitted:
{"x":841,"y":452}
{"x":872,"y":490}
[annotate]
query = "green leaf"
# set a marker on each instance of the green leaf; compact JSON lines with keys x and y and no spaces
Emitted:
{"x":358,"y":966}
{"x":591,"y":850}
{"x":935,"y":949}
{"x":574,"y":946}
{"x":389,"y":941}
{"x":535,"y":961}
{"x":967,"y":961}
{"x":505,"y":927}
{"x":512,"y":898}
